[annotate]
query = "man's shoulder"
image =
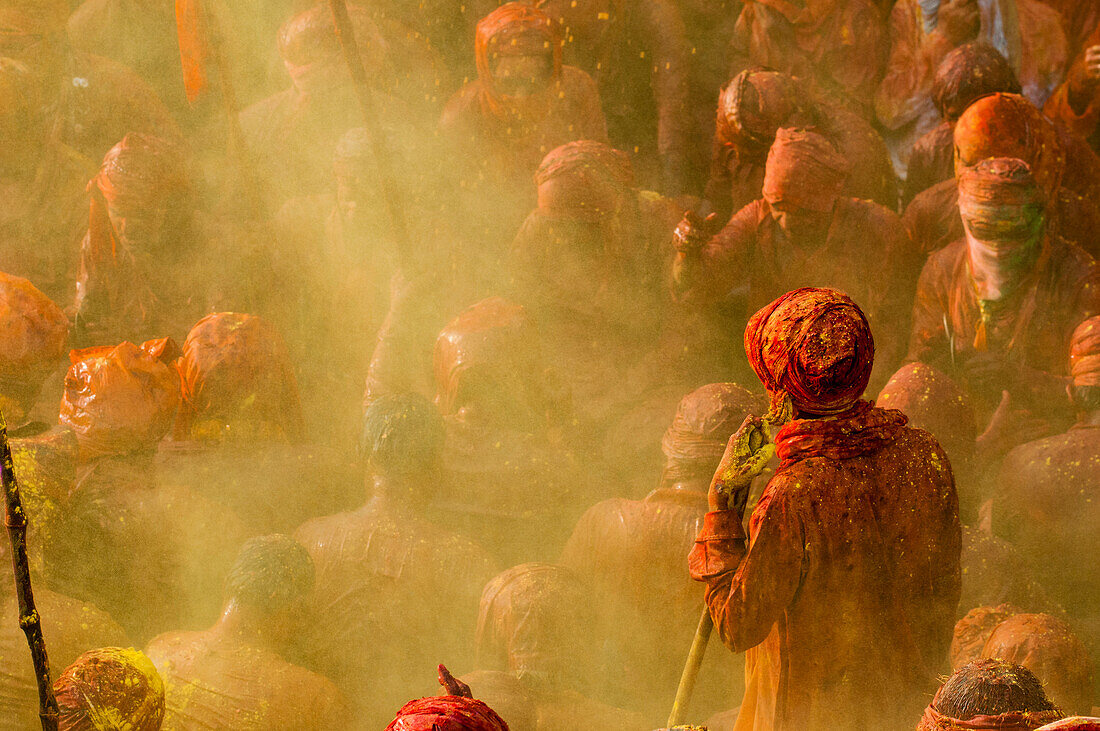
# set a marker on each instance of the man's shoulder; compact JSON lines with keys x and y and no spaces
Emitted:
{"x":1076,"y":452}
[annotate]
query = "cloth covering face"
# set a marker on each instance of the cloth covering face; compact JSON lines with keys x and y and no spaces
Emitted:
{"x":803,"y":170}
{"x":122,"y":399}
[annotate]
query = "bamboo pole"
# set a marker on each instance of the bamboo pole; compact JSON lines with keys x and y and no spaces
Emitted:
{"x":16,"y":521}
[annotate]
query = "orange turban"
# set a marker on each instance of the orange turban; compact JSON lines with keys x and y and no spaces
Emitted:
{"x":236,"y":367}
{"x":33,"y":331}
{"x":121,"y":399}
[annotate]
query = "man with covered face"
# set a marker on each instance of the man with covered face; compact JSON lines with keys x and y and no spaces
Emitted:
{"x":995,"y":310}
{"x":803,"y":232}
{"x":1008,"y":125}
{"x":859,"y":521}
{"x":523,"y":103}
{"x":751,"y":110}
{"x":65,"y":109}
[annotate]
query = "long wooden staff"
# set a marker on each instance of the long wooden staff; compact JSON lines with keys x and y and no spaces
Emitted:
{"x":16,"y":521}
{"x":346,"y":35}
{"x":759,"y":449}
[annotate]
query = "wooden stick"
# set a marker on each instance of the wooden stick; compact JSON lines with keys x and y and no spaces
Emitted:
{"x":691,"y":669}
{"x":345,"y":33}
{"x":16,"y":521}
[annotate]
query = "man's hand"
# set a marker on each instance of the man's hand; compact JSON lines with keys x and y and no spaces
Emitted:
{"x":1008,"y":427}
{"x":990,"y":373}
{"x":693,"y":232}
{"x":1092,"y":63}
{"x":959,"y":21}
{"x":747,"y":454}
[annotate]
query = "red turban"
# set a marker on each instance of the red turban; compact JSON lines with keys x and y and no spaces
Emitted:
{"x":705,"y":420}
{"x":969,"y":72}
{"x":804,"y":170}
{"x":122,"y":399}
{"x":234,"y":368}
{"x":33,"y":331}
{"x":1008,"y":125}
{"x":583,"y":179}
{"x":33,"y":17}
{"x":312,"y":53}
{"x":814,"y":345}
{"x":522,"y":26}
{"x":495,"y":339}
{"x":933,"y":402}
{"x":1073,"y":723}
{"x":447,"y":713}
{"x":1084,"y":353}
{"x":110,"y":683}
{"x":531,"y":619}
{"x":754,"y":105}
{"x":933,"y":720}
{"x":1046,"y":646}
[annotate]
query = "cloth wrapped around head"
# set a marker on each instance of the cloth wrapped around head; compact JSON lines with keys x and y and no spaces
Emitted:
{"x":1046,"y":646}
{"x":140,"y":177}
{"x":33,"y":17}
{"x":583,"y":180}
{"x":515,"y":28}
{"x":489,"y":358}
{"x":813,"y":345}
{"x":989,"y":694}
{"x":447,"y":713}
{"x":33,"y":331}
{"x":236,"y":376}
{"x":1002,"y":208}
{"x":705,"y":420}
{"x":1008,"y":125}
{"x":312,"y":53}
{"x":754,"y":105}
{"x":969,"y":72}
{"x":112,"y":685}
{"x":1073,"y":723}
{"x":1084,"y":353}
{"x":122,"y":399}
{"x":933,"y":402}
{"x":804,"y":170}
{"x":531,"y":622}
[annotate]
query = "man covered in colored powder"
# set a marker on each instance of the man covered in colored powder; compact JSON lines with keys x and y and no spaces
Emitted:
{"x":860,"y":521}
{"x":989,"y":694}
{"x":236,"y":668}
{"x":803,"y":232}
{"x":383,"y":571}
{"x":996,"y":309}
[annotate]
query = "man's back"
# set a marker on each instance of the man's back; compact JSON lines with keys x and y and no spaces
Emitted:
{"x":846,"y":600}
{"x":1046,"y":504}
{"x":385,"y":573}
{"x":212,"y":681}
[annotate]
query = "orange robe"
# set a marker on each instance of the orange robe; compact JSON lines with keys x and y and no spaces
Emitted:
{"x":843,"y":593}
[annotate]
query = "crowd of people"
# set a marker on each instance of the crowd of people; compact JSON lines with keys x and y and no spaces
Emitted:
{"x":511,"y":339}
